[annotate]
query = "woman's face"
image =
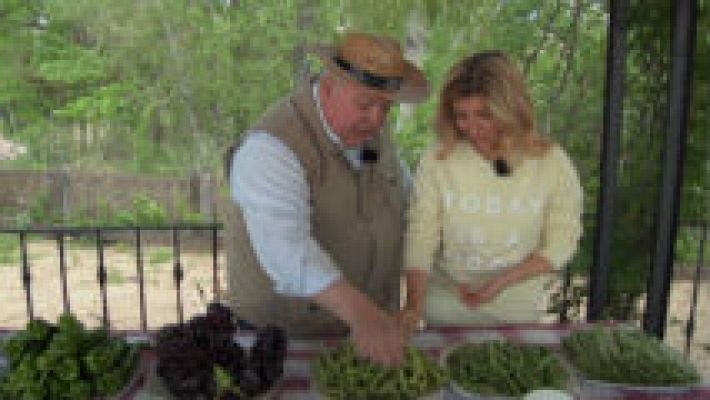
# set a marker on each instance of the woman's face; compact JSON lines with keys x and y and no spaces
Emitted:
{"x":473,"y":119}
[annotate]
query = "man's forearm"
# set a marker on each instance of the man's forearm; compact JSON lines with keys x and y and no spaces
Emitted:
{"x":346,"y":302}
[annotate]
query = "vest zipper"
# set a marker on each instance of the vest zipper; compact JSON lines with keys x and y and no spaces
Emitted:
{"x":364,"y":176}
{"x":360,"y":193}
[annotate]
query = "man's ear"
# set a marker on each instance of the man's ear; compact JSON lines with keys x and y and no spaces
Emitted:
{"x":327,"y":84}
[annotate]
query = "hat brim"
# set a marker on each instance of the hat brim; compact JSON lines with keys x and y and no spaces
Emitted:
{"x":414,"y":88}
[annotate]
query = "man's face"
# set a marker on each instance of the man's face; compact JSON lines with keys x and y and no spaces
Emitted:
{"x":355,"y":112}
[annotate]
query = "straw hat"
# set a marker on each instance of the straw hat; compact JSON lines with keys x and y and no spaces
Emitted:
{"x":377,"y":62}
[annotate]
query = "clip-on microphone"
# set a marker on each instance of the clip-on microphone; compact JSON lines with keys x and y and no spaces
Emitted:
{"x":369,"y":155}
{"x":368,"y":158}
{"x":501,"y":167}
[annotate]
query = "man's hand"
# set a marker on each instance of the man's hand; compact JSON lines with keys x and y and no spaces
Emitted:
{"x":379,"y":338}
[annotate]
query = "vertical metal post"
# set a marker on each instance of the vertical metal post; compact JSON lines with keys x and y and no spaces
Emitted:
{"x":613,"y":116}
{"x":567,"y":283}
{"x":26,"y":277}
{"x":141,"y":281}
{"x":690,"y":325}
{"x":683,"y":46}
{"x":101,"y":276}
{"x":177,"y":273}
{"x":215,"y":275}
{"x":63,"y":272}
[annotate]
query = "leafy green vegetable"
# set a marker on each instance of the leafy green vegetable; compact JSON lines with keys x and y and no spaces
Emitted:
{"x":225,"y":383}
{"x":340,"y":374}
{"x":65,"y":361}
{"x":29,"y":342}
{"x":504,"y":368}
{"x":627,"y":356}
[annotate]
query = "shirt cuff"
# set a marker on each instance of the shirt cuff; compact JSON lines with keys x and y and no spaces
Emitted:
{"x":315,"y":275}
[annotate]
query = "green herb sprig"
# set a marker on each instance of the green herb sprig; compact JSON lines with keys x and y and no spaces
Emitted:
{"x":627,"y":356}
{"x":505,"y":369}
{"x":340,"y":374}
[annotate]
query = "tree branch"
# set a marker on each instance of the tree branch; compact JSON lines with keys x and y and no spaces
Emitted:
{"x":546,"y":30}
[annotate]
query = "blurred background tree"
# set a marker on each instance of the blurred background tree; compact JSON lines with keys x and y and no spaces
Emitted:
{"x":162,"y":86}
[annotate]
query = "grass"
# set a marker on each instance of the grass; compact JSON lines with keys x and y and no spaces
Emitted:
{"x":160,"y":256}
{"x":9,"y":249}
{"x":687,"y":246}
{"x":115,"y":277}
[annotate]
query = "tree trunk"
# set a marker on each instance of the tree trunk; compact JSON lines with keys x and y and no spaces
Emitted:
{"x":414,"y":50}
{"x":185,"y":89}
{"x":306,"y":17}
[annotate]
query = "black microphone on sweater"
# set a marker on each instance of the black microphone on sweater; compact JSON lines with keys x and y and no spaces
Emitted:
{"x":501,"y":167}
{"x":369,"y":155}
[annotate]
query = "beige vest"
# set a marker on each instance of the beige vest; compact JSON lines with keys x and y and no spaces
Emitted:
{"x":357,"y":218}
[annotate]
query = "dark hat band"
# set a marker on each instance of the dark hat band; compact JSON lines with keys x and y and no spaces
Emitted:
{"x":368,"y":78}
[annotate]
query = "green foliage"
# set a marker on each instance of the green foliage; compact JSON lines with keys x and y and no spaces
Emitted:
{"x":42,"y":210}
{"x":188,"y":216}
{"x":145,"y":211}
{"x":160,"y":256}
{"x":115,"y":277}
{"x":9,"y":249}
{"x":687,"y":248}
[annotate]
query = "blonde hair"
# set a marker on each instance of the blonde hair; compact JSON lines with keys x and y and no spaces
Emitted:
{"x":491,"y":75}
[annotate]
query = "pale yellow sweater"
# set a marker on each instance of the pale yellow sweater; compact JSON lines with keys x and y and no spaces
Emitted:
{"x":467,"y":224}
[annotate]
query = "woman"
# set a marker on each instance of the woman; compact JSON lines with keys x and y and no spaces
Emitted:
{"x":497,"y":206}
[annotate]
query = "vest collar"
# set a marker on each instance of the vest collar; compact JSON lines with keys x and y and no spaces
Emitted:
{"x":352,"y":154}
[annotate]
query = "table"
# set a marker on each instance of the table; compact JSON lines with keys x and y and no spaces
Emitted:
{"x":296,"y":381}
{"x":296,"y":384}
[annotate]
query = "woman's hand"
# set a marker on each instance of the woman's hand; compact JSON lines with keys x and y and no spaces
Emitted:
{"x":476,"y":298}
{"x":411,"y":316}
{"x":410,"y":320}
{"x":532,"y":266}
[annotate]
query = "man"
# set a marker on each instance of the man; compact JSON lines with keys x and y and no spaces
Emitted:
{"x":314,"y":239}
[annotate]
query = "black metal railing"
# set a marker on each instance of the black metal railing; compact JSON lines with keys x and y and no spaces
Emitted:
{"x":99,"y":235}
{"x":61,"y":233}
{"x":702,"y":228}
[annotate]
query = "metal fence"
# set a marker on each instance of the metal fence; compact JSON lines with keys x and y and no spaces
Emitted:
{"x":701,"y":227}
{"x":98,"y":233}
{"x":99,"y":236}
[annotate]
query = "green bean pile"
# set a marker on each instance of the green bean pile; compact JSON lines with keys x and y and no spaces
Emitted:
{"x":340,"y":374}
{"x":627,"y":356}
{"x":505,"y":369}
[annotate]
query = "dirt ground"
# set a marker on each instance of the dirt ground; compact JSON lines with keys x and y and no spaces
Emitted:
{"x":197,"y":291}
